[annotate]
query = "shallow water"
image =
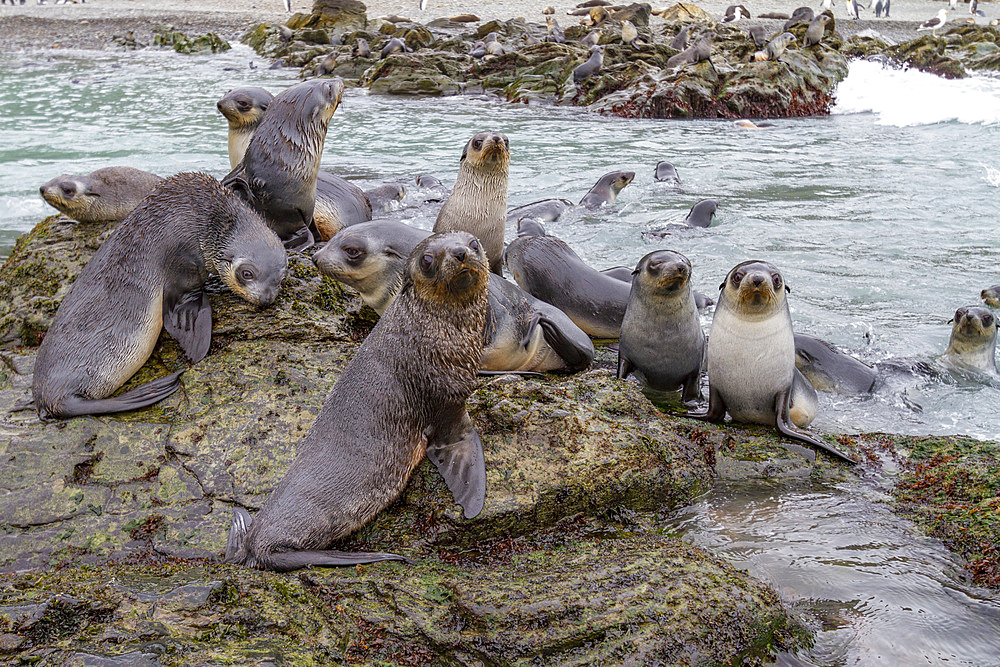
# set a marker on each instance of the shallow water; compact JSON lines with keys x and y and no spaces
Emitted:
{"x":882,"y":216}
{"x":871,"y":588}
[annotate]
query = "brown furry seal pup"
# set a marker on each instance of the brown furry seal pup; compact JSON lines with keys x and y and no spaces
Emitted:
{"x":522,"y":334}
{"x":150,"y":274}
{"x":478,"y":202}
{"x":816,"y":30}
{"x":277,"y":175}
{"x":751,"y":357}
{"x":661,"y":338}
{"x":106,"y":195}
{"x":991,"y":295}
{"x":402,"y":394}
{"x":973,"y":341}
{"x":339,"y":203}
{"x":606,"y":190}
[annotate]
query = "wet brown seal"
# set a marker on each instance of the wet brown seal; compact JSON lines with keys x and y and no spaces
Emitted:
{"x":404,"y":392}
{"x":106,"y":195}
{"x":339,"y":203}
{"x":973,"y":341}
{"x":478,"y":202}
{"x":150,"y":274}
{"x":277,"y":175}
{"x":991,"y":295}
{"x":751,"y":357}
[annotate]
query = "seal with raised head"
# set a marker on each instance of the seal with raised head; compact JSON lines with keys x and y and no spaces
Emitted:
{"x":339,"y":203}
{"x":973,"y":341}
{"x":666,"y":173}
{"x":816,"y":30}
{"x":701,"y":214}
{"x":149,"y":274}
{"x":403,"y":394}
{"x":751,"y":357}
{"x":625,"y":274}
{"x":277,"y":175}
{"x":590,"y":66}
{"x":105,"y":195}
{"x":991,"y":295}
{"x":661,"y":338}
{"x":606,"y":189}
{"x":829,"y":369}
{"x":521,"y":334}
{"x":478,"y":202}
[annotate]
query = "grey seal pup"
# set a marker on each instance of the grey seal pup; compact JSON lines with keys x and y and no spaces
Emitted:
{"x":751,"y":357}
{"x":991,"y":295}
{"x":701,"y":214}
{"x":149,"y":274}
{"x":105,"y":195}
{"x":403,"y":394}
{"x":606,"y":190}
{"x":478,"y":202}
{"x":589,"y":67}
{"x":666,"y":173}
{"x":661,"y":338}
{"x":973,"y":341}
{"x":829,"y":369}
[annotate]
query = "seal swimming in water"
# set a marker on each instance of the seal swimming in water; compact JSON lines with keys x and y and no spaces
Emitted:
{"x":751,"y":357}
{"x":277,"y":175}
{"x":991,"y":295}
{"x":661,"y":339}
{"x":701,"y":214}
{"x":545,"y":210}
{"x":606,"y":190}
{"x":150,"y":274}
{"x":666,"y":173}
{"x":106,"y":195}
{"x":478,"y":202}
{"x":402,"y":394}
{"x":339,"y":202}
{"x":829,"y":369}
{"x":521,"y":334}
{"x":973,"y":341}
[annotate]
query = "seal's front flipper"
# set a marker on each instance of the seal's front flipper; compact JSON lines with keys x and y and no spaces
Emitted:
{"x":237,"y":533}
{"x":577,"y":352}
{"x":188,"y":318}
{"x":783,"y":421}
{"x":716,"y":408}
{"x":459,"y":458}
{"x":692,"y":386}
{"x":625,"y":367}
{"x":140,"y":397}
{"x":295,"y":560}
{"x":300,"y":240}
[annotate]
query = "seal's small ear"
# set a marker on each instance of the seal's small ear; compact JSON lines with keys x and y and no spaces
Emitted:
{"x":636,"y":272}
{"x":239,"y":186}
{"x":787,"y":288}
{"x":465,"y":151}
{"x":951,"y":321}
{"x":723,"y":285}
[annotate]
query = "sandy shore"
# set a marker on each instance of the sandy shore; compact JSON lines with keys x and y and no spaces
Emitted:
{"x":91,"y":25}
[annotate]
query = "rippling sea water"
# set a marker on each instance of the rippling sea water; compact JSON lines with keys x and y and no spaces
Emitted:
{"x":882,"y":217}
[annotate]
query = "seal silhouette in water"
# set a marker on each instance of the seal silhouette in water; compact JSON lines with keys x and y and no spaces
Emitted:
{"x":150,"y":274}
{"x":402,"y":394}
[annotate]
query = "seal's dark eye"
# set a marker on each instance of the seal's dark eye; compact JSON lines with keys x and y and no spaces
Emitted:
{"x":474,"y":245}
{"x":776,"y":279}
{"x":737,"y":277}
{"x":959,"y":313}
{"x":477,"y":144}
{"x":246,"y":275}
{"x":242,"y":105}
{"x":506,"y":143}
{"x":352,"y":252}
{"x":987,"y":320}
{"x":426,"y":262}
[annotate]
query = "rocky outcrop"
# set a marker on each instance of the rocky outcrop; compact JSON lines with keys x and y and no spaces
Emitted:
{"x":951,"y":54}
{"x":181,"y":43}
{"x":565,"y":562}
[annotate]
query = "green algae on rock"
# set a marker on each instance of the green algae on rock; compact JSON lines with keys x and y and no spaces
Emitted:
{"x":181,"y":43}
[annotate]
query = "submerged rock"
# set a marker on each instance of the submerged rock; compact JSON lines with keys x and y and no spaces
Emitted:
{"x":181,"y":43}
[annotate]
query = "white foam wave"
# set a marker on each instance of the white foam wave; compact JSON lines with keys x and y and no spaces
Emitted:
{"x":992,"y":175}
{"x":911,"y":97}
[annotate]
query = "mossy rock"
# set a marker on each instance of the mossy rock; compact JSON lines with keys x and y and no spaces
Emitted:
{"x":181,"y":43}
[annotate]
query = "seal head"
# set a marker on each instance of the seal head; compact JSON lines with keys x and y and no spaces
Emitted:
{"x":973,"y":340}
{"x":243,"y":109}
{"x":105,"y":195}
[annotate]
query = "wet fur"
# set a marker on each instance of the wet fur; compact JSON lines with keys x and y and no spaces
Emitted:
{"x":105,"y":195}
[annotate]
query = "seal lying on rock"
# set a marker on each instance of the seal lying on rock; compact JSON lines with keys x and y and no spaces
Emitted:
{"x":105,"y":195}
{"x":339,"y":202}
{"x":402,"y":394}
{"x":751,"y":357}
{"x":478,"y":202}
{"x":521,"y":334}
{"x":277,"y":175}
{"x":149,"y":274}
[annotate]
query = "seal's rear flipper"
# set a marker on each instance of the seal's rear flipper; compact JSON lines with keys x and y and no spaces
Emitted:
{"x":141,"y":397}
{"x":188,"y":319}
{"x":625,"y":367}
{"x":784,"y":425}
{"x":576,"y":353}
{"x":459,"y":459}
{"x":237,"y":533}
{"x":295,"y":560}
{"x":716,"y":411}
{"x":521,"y":373}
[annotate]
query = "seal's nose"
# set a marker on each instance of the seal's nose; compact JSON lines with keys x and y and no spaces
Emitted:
{"x":459,"y":254}
{"x":41,"y":190}
{"x":757,"y":281}
{"x":497,"y":139}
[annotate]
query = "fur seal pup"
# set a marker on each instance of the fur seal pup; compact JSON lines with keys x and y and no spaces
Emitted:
{"x":666,"y":173}
{"x":630,"y":35}
{"x":973,"y":341}
{"x":680,"y":40}
{"x":545,"y":210}
{"x":478,"y":202}
{"x":991,"y":295}
{"x":829,"y":369}
{"x":701,"y":214}
{"x":105,"y":195}
{"x":521,"y":334}
{"x":554,"y":33}
{"x":150,"y":274}
{"x":661,"y":338}
{"x":277,"y":175}
{"x":402,"y":394}
{"x":339,"y":202}
{"x":799,"y":15}
{"x":548,"y":269}
{"x":758,"y":34}
{"x":751,"y":357}
{"x":590,"y":67}
{"x":775,"y":48}
{"x":697,"y":52}
{"x":816,"y":30}
{"x":606,"y":189}
{"x":435,"y":190}
{"x":381,"y":198}
{"x":361,"y":49}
